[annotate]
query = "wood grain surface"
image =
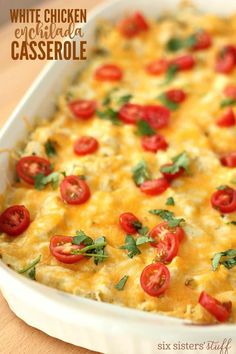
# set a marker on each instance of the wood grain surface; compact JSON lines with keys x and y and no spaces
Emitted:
{"x":16,"y":337}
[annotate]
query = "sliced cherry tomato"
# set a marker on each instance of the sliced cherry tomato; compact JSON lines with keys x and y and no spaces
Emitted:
{"x":131,"y":26}
{"x":83,"y":109}
{"x":185,"y":62}
{"x":154,"y":143}
{"x":159,"y":232}
{"x":140,"y":21}
{"x":61,"y":248}
{"x":230,"y":91}
{"x":168,"y":248}
{"x":30,"y":166}
{"x":226,"y":60}
{"x":154,"y":187}
{"x":85,"y":145}
{"x":221,"y":311}
{"x":157,"y":116}
{"x":127,"y":221}
{"x":224,"y":200}
{"x":227,"y":119}
{"x":176,"y":95}
{"x":155,"y":279}
{"x":171,"y":176}
{"x":229,"y":159}
{"x":74,"y":190}
{"x":14,"y":220}
{"x":203,"y":41}
{"x":157,"y":67}
{"x":108,"y":72}
{"x":130,"y":113}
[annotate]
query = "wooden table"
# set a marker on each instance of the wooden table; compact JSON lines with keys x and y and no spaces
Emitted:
{"x":15,"y":79}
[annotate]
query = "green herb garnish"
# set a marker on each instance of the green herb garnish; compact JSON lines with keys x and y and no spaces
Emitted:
{"x":169,"y":104}
{"x":130,"y":246}
{"x":109,"y":114}
{"x":124,"y":99}
{"x":226,"y":258}
{"x":179,"y":161}
{"x":222,"y":187}
{"x":175,"y":43}
{"x":50,"y":148}
{"x":41,"y":181}
{"x":120,"y":285}
{"x":81,"y":237}
{"x":170,"y":201}
{"x":30,"y":269}
{"x":144,"y":239}
{"x":227,"y":102}
{"x":140,"y":173}
{"x":144,"y":128}
{"x":93,"y":248}
{"x":170,"y":74}
{"x":168,"y":216}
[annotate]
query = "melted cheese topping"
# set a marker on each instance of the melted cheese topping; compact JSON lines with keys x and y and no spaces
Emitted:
{"x":108,"y":173}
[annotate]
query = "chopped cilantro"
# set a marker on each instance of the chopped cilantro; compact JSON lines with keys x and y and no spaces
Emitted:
{"x":92,"y":248}
{"x":169,"y":104}
{"x":175,"y":43}
{"x":227,"y":102}
{"x":130,"y":246}
{"x":168,"y":216}
{"x":222,"y":187}
{"x":141,"y":173}
{"x":109,"y":114}
{"x":170,"y":74}
{"x":81,"y":237}
{"x":144,"y":128}
{"x":179,"y":161}
{"x":226,"y":258}
{"x":170,"y":201}
{"x":124,"y":99}
{"x":232,"y":222}
{"x":30,"y":269}
{"x":137,"y":225}
{"x":41,"y":181}
{"x":120,"y":285}
{"x":50,"y":148}
{"x":143,"y":239}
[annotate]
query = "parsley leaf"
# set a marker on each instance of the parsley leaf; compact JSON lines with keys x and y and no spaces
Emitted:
{"x":140,"y":173}
{"x":170,"y":73}
{"x":168,"y":216}
{"x":30,"y":269}
{"x":124,"y":99}
{"x":226,"y":258}
{"x":109,"y":114}
{"x":50,"y":148}
{"x":144,"y":128}
{"x":130,"y":246}
{"x":170,"y":201}
{"x":179,"y":161}
{"x":120,"y":285}
{"x":169,"y":104}
{"x":227,"y":102}
{"x":41,"y":181}
{"x":81,"y":237}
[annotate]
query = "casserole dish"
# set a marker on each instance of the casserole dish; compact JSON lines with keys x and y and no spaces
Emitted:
{"x":91,"y":338}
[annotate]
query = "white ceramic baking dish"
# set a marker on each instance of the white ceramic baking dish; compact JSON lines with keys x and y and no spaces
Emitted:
{"x":98,"y":326}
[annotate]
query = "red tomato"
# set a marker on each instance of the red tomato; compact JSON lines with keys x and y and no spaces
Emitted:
{"x":221,"y":311}
{"x":131,"y":26}
{"x":154,"y":187}
{"x":154,"y":143}
{"x":230,"y":91}
{"x":226,"y":60}
{"x":229,"y":159}
{"x":159,"y":232}
{"x":227,"y":119}
{"x":30,"y":166}
{"x":185,"y":62}
{"x":14,"y":220}
{"x":157,"y":67}
{"x":224,"y":200}
{"x":176,"y":95}
{"x":61,"y":247}
{"x":83,"y":109}
{"x":108,"y":72}
{"x":168,"y":248}
{"x":130,"y":113}
{"x":155,"y":279}
{"x":85,"y":145}
{"x":74,"y":190}
{"x":203,"y":40}
{"x":171,"y":176}
{"x":157,"y":116}
{"x":127,"y":222}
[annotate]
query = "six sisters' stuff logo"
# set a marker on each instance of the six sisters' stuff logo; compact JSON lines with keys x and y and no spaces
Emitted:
{"x":48,"y":34}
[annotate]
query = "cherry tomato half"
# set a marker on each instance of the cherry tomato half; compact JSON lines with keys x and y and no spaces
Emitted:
{"x":185,"y":62}
{"x":130,"y":113}
{"x":159,"y":232}
{"x":74,"y":190}
{"x":157,"y":67}
{"x":157,"y":116}
{"x":14,"y":220}
{"x":154,"y":187}
{"x":83,"y":109}
{"x":29,"y":166}
{"x":154,"y":143}
{"x":127,"y":221}
{"x":229,"y":160}
{"x":176,"y":95}
{"x":155,"y":279}
{"x":224,"y":200}
{"x":203,"y":41}
{"x":171,"y":176}
{"x":61,"y":247}
{"x":226,"y":60}
{"x":108,"y":72}
{"x":230,"y":91}
{"x":168,"y":248}
{"x":85,"y":145}
{"x":221,"y":311}
{"x":131,"y":26}
{"x":140,"y":21}
{"x":227,"y":119}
